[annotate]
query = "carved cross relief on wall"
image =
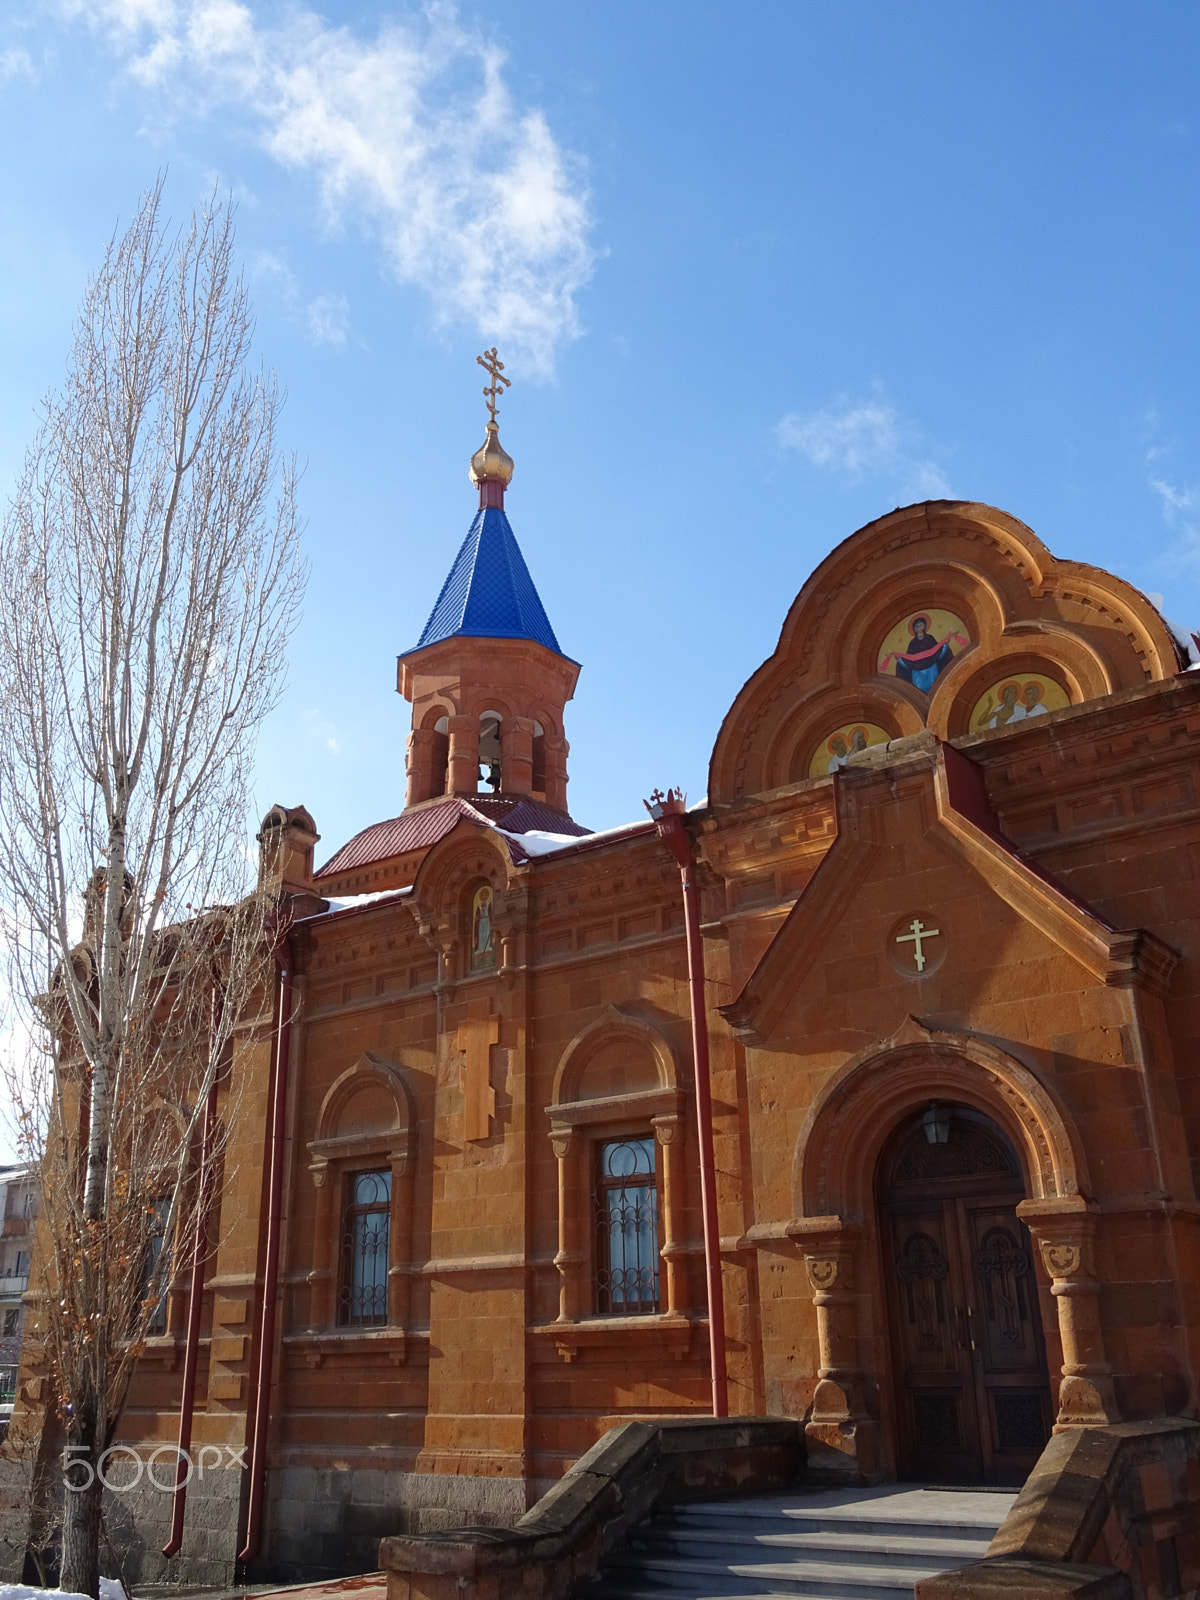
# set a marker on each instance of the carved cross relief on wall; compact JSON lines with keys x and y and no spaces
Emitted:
{"x":476,"y":1036}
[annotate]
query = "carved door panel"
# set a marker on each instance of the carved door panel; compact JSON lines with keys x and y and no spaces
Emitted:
{"x":1008,"y":1352}
{"x":972,"y":1395}
{"x":968,"y":1355}
{"x":935,"y":1379}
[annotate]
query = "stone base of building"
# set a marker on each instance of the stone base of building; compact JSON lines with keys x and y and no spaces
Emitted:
{"x":138,"y":1521}
{"x":322,"y":1522}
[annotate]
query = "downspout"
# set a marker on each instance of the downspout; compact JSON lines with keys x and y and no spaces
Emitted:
{"x":668,"y":819}
{"x":191,"y":1353}
{"x":266,"y":1327}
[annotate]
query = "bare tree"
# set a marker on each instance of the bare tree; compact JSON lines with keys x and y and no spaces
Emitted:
{"x":149,"y":579}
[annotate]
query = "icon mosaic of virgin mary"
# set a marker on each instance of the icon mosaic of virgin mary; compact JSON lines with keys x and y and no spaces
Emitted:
{"x":920,"y":650}
{"x":482,"y":950}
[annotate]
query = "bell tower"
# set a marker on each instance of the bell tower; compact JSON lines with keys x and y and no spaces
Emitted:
{"x":487,"y":680}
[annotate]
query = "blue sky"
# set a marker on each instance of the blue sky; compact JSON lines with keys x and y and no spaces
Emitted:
{"x":760,"y":273}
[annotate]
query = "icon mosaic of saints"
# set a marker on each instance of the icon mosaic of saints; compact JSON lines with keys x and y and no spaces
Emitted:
{"x":832,"y":754}
{"x":1017,"y":700}
{"x":920,"y":650}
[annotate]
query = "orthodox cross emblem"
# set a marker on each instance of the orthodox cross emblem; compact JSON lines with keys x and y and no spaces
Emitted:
{"x":916,"y":935}
{"x":494,"y":367}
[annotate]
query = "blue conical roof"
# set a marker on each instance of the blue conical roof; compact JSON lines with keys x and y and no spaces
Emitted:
{"x":489,"y":593}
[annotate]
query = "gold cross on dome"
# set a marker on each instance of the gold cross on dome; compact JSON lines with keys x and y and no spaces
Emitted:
{"x":494,"y":367}
{"x":917,"y":935}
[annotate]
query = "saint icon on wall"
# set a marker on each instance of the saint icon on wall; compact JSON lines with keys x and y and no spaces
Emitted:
{"x":920,"y":649}
{"x":832,"y":754}
{"x":483,"y":952}
{"x":1016,"y":699}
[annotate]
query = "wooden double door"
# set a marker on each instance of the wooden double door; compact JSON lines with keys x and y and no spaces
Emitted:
{"x":968,"y":1357}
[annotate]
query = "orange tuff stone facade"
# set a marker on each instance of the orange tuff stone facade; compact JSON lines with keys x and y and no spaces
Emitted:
{"x":948,"y":876}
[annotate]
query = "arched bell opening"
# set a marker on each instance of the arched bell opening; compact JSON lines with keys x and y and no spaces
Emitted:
{"x":489,"y":749}
{"x":970,"y":1387}
{"x":537,"y":776}
{"x":439,"y":760}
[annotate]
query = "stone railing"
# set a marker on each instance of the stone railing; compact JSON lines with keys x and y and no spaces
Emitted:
{"x":564,"y":1538}
{"x":1108,"y":1513}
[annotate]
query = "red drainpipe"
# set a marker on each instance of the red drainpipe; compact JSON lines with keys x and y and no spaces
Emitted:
{"x":266,"y":1327}
{"x":668,"y":819}
{"x":192,"y":1346}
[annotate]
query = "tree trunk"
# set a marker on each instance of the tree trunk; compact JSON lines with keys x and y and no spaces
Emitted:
{"x":80,"y":1569}
{"x":81,"y":1542}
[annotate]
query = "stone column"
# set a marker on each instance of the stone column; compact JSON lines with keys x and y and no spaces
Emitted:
{"x":666,"y":1131}
{"x":569,"y":1259}
{"x":516,"y":755}
{"x":418,"y":765}
{"x":556,"y":771}
{"x":1065,"y":1232}
{"x":842,"y":1437}
{"x":463,"y":776}
{"x":325,"y":1246}
{"x":400,"y":1239}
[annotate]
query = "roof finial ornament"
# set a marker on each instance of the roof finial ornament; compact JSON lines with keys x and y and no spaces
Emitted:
{"x":494,"y":367}
{"x":491,"y":465}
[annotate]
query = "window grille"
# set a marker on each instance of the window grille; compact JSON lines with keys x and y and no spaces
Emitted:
{"x":363,"y":1299}
{"x":8,"y":1385}
{"x":626,"y":1228}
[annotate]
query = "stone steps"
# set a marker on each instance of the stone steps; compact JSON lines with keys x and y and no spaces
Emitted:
{"x":842,"y":1544}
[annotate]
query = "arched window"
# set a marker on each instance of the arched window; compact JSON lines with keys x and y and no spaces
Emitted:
{"x":366,"y":1233}
{"x":627,"y":1241}
{"x":538,"y":781}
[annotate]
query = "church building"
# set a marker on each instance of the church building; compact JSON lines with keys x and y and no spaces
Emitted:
{"x":947,"y":871}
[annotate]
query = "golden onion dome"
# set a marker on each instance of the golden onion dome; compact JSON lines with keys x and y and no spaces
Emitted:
{"x":491,"y":463}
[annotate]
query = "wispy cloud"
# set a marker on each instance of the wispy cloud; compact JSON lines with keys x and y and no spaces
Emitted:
{"x":16,"y":63}
{"x":1178,"y":502}
{"x":325,"y":319}
{"x":863,"y":438}
{"x":320,"y":728}
{"x":413,"y":133}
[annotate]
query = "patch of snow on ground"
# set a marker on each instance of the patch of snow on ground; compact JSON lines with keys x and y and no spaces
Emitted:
{"x":110,"y":1589}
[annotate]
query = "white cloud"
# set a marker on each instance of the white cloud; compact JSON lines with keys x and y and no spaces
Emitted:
{"x":414,"y":134}
{"x":16,"y":63}
{"x":862,"y":438}
{"x":328,"y":319}
{"x":320,"y":728}
{"x":325,"y":319}
{"x":1176,"y":502}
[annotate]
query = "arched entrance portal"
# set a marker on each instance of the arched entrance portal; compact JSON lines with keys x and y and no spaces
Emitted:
{"x":972,"y":1392}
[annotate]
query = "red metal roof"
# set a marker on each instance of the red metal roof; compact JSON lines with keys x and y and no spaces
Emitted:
{"x":425,"y":825}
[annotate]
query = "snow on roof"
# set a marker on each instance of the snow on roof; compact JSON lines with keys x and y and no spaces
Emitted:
{"x":353,"y":902}
{"x":537,"y":843}
{"x":1183,"y":637}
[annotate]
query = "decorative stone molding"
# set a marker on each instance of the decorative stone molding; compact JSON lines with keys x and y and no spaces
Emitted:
{"x":1065,"y":1233}
{"x":334,"y":1151}
{"x":855,"y":1111}
{"x":660,"y":1106}
{"x":841,"y":1434}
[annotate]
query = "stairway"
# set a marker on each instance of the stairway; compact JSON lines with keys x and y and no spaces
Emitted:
{"x":843,"y":1544}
